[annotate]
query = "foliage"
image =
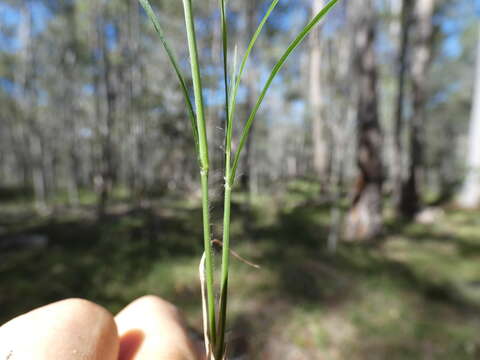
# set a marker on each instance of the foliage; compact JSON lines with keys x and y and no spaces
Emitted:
{"x":413,"y":295}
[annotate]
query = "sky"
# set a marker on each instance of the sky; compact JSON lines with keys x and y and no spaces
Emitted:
{"x":451,"y":25}
{"x":10,"y":17}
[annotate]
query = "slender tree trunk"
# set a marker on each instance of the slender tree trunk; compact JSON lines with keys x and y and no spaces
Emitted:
{"x":470,"y":194}
{"x":365,"y":216}
{"x":137,"y":89}
{"x":70,"y":106}
{"x":107,"y":167}
{"x":39,"y":187}
{"x":410,"y":201}
{"x":20,"y":142}
{"x":98,"y":180}
{"x":320,"y":152}
{"x":29,"y":107}
{"x":406,"y":22}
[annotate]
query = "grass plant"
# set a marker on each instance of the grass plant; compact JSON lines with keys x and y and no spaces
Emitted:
{"x":216,"y":330}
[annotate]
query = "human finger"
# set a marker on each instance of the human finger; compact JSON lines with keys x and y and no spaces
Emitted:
{"x":152,"y":328}
{"x":72,"y":329}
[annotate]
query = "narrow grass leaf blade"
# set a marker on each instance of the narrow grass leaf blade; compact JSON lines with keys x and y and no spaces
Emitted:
{"x":220,"y":348}
{"x":173,"y":60}
{"x":233,"y":75}
{"x":229,"y":128}
{"x":224,"y":30}
{"x":226,"y":229}
{"x":224,"y":26}
{"x":246,"y":56}
{"x":276,"y":69}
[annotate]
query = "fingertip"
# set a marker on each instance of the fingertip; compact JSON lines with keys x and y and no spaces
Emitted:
{"x":153,"y":303}
{"x":68,"y":329}
{"x":152,"y":328}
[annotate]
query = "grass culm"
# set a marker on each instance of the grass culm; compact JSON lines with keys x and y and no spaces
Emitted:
{"x":216,"y":313}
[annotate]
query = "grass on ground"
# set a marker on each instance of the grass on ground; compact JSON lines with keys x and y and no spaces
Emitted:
{"x":415,"y":294}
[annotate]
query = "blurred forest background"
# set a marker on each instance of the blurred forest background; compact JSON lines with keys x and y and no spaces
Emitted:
{"x":359,"y":192}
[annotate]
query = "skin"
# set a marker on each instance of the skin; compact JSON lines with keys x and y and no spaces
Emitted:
{"x":76,"y":329}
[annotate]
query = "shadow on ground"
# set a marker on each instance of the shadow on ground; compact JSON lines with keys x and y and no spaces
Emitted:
{"x":82,"y":258}
{"x":385,"y":306}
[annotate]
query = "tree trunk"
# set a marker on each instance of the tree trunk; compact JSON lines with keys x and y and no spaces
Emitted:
{"x":364,"y":220}
{"x":138,"y":81}
{"x":320,"y":153}
{"x":107,"y":167}
{"x":470,"y":194}
{"x":69,"y":103}
{"x":410,"y":201}
{"x":406,"y":22}
{"x":29,"y":106}
{"x":39,"y":186}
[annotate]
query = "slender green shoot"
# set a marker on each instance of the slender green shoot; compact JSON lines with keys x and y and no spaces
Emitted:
{"x":220,"y":349}
{"x":204,"y":162}
{"x":245,"y":59}
{"x":224,"y":30}
{"x":276,"y":69}
{"x":173,"y":60}
{"x":222,"y":316}
{"x":230,"y":170}
{"x":216,"y":332}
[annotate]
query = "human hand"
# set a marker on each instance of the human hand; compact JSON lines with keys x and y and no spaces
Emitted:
{"x":74,"y":329}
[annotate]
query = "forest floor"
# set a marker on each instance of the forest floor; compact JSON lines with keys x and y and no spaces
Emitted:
{"x":414,"y":294}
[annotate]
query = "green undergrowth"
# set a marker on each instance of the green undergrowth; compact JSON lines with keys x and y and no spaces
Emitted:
{"x":414,"y":294}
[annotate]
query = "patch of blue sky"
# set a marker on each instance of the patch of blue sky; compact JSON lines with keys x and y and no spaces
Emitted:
{"x":452,"y":28}
{"x":298,"y":107}
{"x":451,"y":46}
{"x":7,"y":85}
{"x":111,"y":34}
{"x":291,"y":20}
{"x":41,"y":16}
{"x":11,"y":17}
{"x":444,"y":95}
{"x":88,"y":89}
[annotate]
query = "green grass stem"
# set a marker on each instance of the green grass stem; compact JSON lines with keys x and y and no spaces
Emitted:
{"x":197,"y":117}
{"x":204,"y":163}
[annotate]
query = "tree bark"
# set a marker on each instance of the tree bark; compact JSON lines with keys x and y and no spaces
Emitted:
{"x":402,"y":66}
{"x":35,"y":140}
{"x":364,"y":220}
{"x":101,"y":56}
{"x":320,"y":153}
{"x":107,"y":141}
{"x":410,"y":201}
{"x":470,"y":194}
{"x":69,"y":103}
